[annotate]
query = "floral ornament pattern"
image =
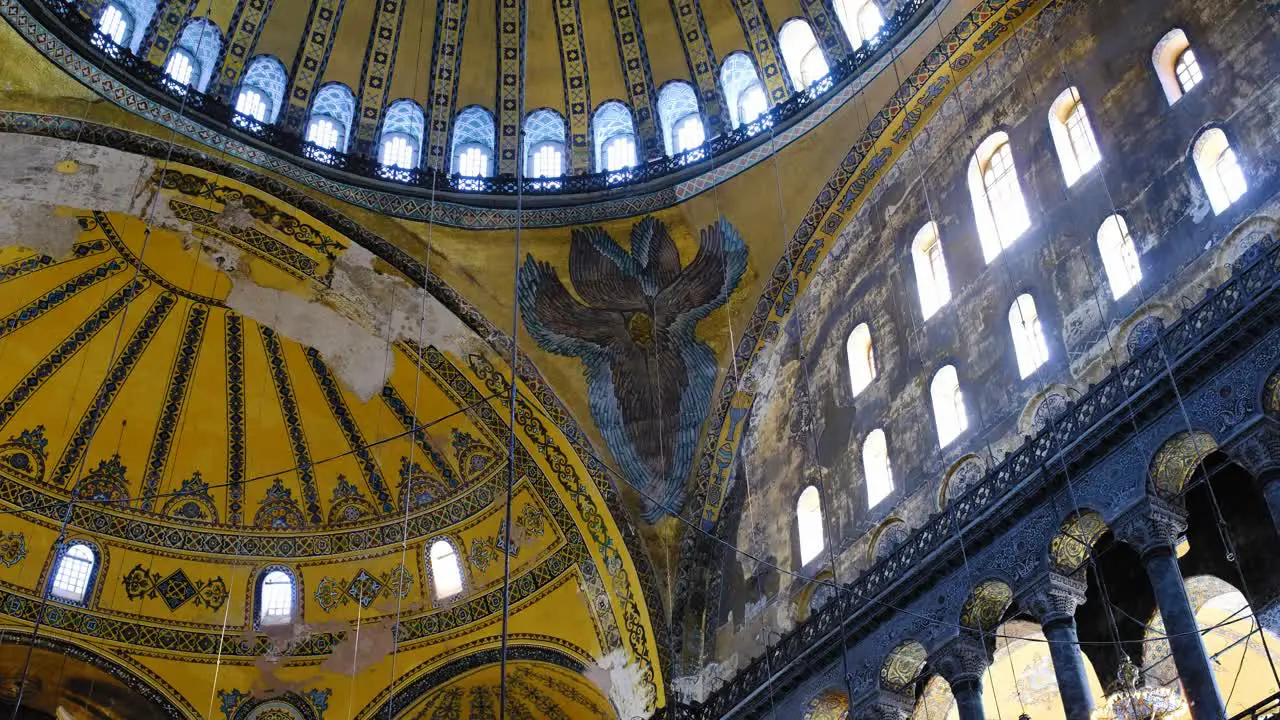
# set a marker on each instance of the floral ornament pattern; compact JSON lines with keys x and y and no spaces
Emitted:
{"x":13,"y":548}
{"x":649,"y":379}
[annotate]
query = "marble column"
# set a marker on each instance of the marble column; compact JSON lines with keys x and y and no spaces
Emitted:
{"x":881,"y":704}
{"x":1053,"y":600}
{"x":1152,"y":528}
{"x":961,"y":663}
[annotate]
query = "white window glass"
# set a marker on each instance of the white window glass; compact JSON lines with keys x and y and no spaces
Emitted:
{"x":547,"y":161}
{"x":689,"y":133}
{"x":1219,"y":169}
{"x":399,"y":151}
{"x":1187,"y":70}
{"x":809,"y":523}
{"x":1176,"y":64}
{"x":114,"y":23}
{"x":1028,"y":336}
{"x":875,"y":465}
{"x":620,"y":153}
{"x":181,"y":67}
{"x":1119,"y":256}
{"x":1081,"y":136}
{"x":861,"y":20}
{"x":276,"y":604}
{"x":869,"y":21}
{"x":932,"y":282}
{"x":948,"y":405}
{"x":814,"y":67}
{"x":251,"y":102}
{"x":1073,"y":136}
{"x":801,"y":54}
{"x":71,"y":579}
{"x":473,"y":161}
{"x":445,"y":571}
{"x":752,"y":103}
{"x":999,"y":207}
{"x":862,"y":358}
{"x":323,"y":131}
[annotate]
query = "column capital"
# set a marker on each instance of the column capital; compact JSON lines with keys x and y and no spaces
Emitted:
{"x":1053,"y":597}
{"x":1150,"y":525}
{"x":881,"y":704}
{"x":1257,"y":449}
{"x":961,"y":660}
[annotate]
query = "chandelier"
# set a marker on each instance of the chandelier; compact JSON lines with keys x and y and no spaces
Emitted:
{"x":1136,"y":701}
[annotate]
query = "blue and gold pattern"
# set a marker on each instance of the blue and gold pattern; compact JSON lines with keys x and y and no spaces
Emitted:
{"x":192,"y":502}
{"x":826,"y":26}
{"x":342,"y":414}
{"x":170,"y":16}
{"x":702,"y":62}
{"x":59,"y":295}
{"x":577,"y":92}
{"x":239,"y":705}
{"x":308,"y":67}
{"x":512,"y":20}
{"x":175,"y":589}
{"x":25,"y":454}
{"x":379,"y":59}
{"x":446,"y":59}
{"x":348,"y":505}
{"x":235,"y":418}
{"x":639,"y":76}
{"x":364,"y":588}
{"x":764,"y":47}
{"x":13,"y":548}
{"x":293,"y":422}
{"x":242,"y":39}
{"x":278,"y":510}
{"x":175,"y":400}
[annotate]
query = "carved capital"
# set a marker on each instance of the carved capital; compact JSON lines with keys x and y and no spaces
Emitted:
{"x":1053,"y":597}
{"x":882,"y":704}
{"x":962,"y":660}
{"x":1257,"y":449}
{"x":1150,"y":525}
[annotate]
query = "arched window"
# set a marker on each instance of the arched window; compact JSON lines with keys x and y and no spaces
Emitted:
{"x":403,"y":126}
{"x":1073,"y":136}
{"x":544,"y":134}
{"x":262,"y":89}
{"x":276,"y":597}
{"x":73,"y":573}
{"x":998,"y":205}
{"x":862,"y":358}
{"x":473,"y":137}
{"x":1119,"y":256}
{"x":193,"y":58}
{"x":125,"y":21}
{"x":1028,"y":336}
{"x":446,"y":571}
{"x":800,"y":51}
{"x":331,"y":114}
{"x":809,"y":523}
{"x":1219,"y":170}
{"x":615,"y":137}
{"x":932,"y":281}
{"x":743,"y":92}
{"x":861,"y":20}
{"x":875,"y":465}
{"x":949,"y":415}
{"x":682,"y":128}
{"x":1176,"y":65}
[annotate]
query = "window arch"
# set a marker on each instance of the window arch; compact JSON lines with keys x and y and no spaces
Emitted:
{"x":801,"y":53}
{"x":1119,"y":256}
{"x":1073,"y":136}
{"x":126,"y":21}
{"x":75,"y":569}
{"x":876,"y":468}
{"x":1028,"y":335}
{"x":862,"y":358}
{"x":615,"y":137}
{"x":932,"y":281}
{"x":1176,"y":65}
{"x":998,"y":205}
{"x":544,"y":150}
{"x":403,"y":126}
{"x":743,"y":91}
{"x":949,"y":415}
{"x":682,"y":128}
{"x":262,"y":89}
{"x":861,"y":20}
{"x":473,"y":137}
{"x":809,"y":524}
{"x":277,"y":595}
{"x":332,"y":111}
{"x":194,"y":56}
{"x":446,"y":569}
{"x":1219,"y":169}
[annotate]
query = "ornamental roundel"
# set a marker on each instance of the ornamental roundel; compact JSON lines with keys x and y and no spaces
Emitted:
{"x":1070,"y":547}
{"x":1177,"y":459}
{"x":902,"y":668}
{"x":986,"y":605}
{"x":829,"y":705}
{"x":967,"y":472}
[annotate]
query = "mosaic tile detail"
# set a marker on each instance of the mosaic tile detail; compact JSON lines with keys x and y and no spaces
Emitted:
{"x":278,"y":510}
{"x":111,"y":385}
{"x":348,"y":504}
{"x":26,"y":453}
{"x":100,"y":221}
{"x":242,"y":40}
{"x":107,"y":483}
{"x":33,"y":310}
{"x":192,"y":502}
{"x":240,"y":704}
{"x":446,"y":59}
{"x":313,"y":56}
{"x":355,"y":439}
{"x":826,"y":26}
{"x":175,"y":589}
{"x":379,"y":59}
{"x":512,"y":16}
{"x":175,"y":399}
{"x":236,"y":437}
{"x":364,"y":588}
{"x":764,"y":47}
{"x":293,"y":422}
{"x":34,"y":263}
{"x":577,"y":91}
{"x":410,"y":423}
{"x":165,"y":24}
{"x":634,"y":59}
{"x":282,"y":255}
{"x":13,"y":548}
{"x":702,"y":62}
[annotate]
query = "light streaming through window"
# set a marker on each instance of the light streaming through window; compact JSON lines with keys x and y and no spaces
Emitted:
{"x":473,"y":161}
{"x":181,"y":67}
{"x":619,"y":153}
{"x":1187,"y":70}
{"x":875,"y":466}
{"x":1073,"y":136}
{"x":71,"y":579}
{"x":250,"y":102}
{"x":809,"y":524}
{"x":445,"y":572}
{"x":1028,"y":336}
{"x":999,"y":207}
{"x":689,"y":133}
{"x":932,"y":282}
{"x":323,"y":132}
{"x":114,"y":24}
{"x":1219,"y":169}
{"x":1119,"y":256}
{"x":276,"y":602}
{"x":752,"y":104}
{"x":948,"y":405}
{"x":398,"y":151}
{"x":862,"y":358}
{"x":547,"y":161}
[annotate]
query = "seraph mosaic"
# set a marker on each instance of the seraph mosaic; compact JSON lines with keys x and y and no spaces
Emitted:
{"x":632,"y":322}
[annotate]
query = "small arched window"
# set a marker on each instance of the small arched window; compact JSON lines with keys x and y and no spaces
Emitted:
{"x":743,"y":92}
{"x":809,"y":524}
{"x":1176,"y":65}
{"x":932,"y":281}
{"x":446,"y":571}
{"x":276,"y":596}
{"x":331,"y":114}
{"x":473,"y":137}
{"x":1028,"y":336}
{"x":862,"y":358}
{"x":1073,"y":136}
{"x":682,"y":128}
{"x":949,"y":414}
{"x":73,"y":573}
{"x":402,"y":129}
{"x":1119,"y":256}
{"x":615,"y":137}
{"x":861,"y":20}
{"x":193,"y":58}
{"x":262,"y":89}
{"x":125,"y":22}
{"x":803,"y":56}
{"x":998,"y":205}
{"x":1219,"y":169}
{"x":544,"y":154}
{"x":876,"y":467}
